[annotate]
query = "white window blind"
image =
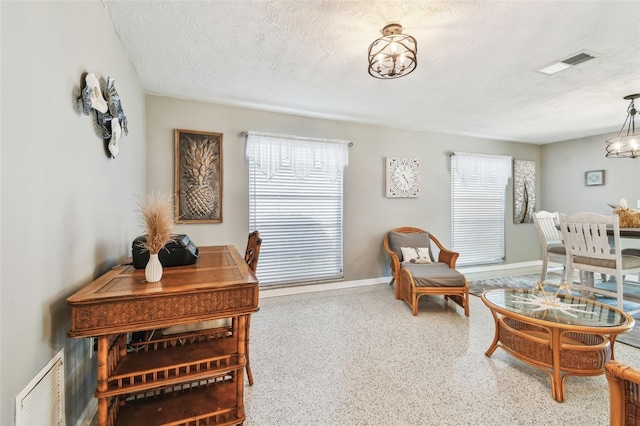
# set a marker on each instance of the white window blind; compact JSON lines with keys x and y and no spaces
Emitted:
{"x":296,"y":202}
{"x":478,"y":194}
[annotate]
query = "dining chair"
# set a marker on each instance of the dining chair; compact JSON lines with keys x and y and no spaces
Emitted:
{"x":624,"y":394}
{"x":550,"y":241}
{"x":588,"y":249}
{"x":251,"y":255}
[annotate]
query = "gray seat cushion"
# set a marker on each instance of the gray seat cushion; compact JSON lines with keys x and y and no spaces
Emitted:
{"x":631,"y":252}
{"x":628,"y":262}
{"x":409,"y":239}
{"x":557,"y":249}
{"x":435,"y":275}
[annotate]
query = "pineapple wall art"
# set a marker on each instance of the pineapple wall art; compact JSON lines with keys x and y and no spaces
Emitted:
{"x":198,"y":176}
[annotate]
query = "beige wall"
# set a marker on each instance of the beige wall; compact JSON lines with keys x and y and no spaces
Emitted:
{"x":368,"y":214}
{"x":563,"y":168}
{"x":68,"y":212}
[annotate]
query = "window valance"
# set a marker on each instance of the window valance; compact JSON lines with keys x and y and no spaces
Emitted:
{"x":271,"y":152}
{"x":482,"y":167}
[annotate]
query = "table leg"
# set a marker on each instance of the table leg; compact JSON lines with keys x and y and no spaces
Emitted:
{"x":240,"y":330}
{"x":612,"y":341}
{"x":103,"y":374}
{"x":496,"y":337}
{"x":246,"y":351}
{"x":557,"y":385}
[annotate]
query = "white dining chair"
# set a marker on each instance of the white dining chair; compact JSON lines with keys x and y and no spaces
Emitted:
{"x":588,"y":249}
{"x":550,"y":241}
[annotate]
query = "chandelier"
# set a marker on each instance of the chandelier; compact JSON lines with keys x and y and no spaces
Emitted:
{"x":393,"y":55}
{"x":626,"y":146}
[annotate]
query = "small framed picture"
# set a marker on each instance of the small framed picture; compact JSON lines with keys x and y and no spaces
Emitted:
{"x":594,"y":178}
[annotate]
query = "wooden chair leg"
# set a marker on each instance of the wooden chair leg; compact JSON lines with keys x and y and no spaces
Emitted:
{"x":465,"y":298}
{"x":246,"y":350}
{"x":545,"y":265}
{"x":414,"y":302}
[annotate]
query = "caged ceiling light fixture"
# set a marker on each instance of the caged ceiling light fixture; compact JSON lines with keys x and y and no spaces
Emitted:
{"x":626,"y":146}
{"x":393,"y":55}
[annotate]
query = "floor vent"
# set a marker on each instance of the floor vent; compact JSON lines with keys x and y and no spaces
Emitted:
{"x":41,"y":402}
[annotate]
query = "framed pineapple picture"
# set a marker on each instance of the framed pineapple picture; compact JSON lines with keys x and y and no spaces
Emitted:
{"x":198,"y":176}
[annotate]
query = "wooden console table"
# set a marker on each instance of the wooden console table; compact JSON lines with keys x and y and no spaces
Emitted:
{"x":193,"y":378}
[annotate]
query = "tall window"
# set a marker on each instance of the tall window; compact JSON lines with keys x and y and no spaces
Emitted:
{"x":478,"y":193}
{"x":295,"y":201}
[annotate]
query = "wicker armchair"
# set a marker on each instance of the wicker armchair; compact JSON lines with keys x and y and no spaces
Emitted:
{"x":414,"y":280}
{"x":445,"y":256}
{"x":624,"y":394}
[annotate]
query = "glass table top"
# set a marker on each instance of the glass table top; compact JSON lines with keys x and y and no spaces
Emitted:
{"x":559,"y":308}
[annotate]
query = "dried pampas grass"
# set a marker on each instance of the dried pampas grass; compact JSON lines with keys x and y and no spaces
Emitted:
{"x":157,"y":220}
{"x":629,"y":218}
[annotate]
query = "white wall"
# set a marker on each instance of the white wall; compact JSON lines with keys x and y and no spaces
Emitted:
{"x":368,"y":214}
{"x":68,"y":211}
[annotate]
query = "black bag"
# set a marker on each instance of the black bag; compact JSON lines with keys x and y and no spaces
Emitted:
{"x":180,"y":251}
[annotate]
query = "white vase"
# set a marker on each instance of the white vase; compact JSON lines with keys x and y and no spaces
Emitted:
{"x":153,"y":270}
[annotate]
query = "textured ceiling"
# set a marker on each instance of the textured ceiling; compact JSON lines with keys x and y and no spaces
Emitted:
{"x":476,"y":73}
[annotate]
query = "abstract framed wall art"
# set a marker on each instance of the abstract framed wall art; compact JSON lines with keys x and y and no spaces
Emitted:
{"x":198,"y":176}
{"x":594,"y":178}
{"x":524,"y":190}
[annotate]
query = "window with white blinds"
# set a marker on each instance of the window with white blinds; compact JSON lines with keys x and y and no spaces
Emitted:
{"x":478,"y":197}
{"x":299,"y":216}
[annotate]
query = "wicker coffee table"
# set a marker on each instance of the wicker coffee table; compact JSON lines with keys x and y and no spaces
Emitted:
{"x":560,"y":334}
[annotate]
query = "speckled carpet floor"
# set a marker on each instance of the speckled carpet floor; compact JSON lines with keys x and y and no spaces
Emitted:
{"x":632,"y":337}
{"x":358,"y":357}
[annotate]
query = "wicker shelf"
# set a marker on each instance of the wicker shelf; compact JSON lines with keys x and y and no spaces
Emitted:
{"x":159,"y":364}
{"x":214,"y":404}
{"x":579,"y":352}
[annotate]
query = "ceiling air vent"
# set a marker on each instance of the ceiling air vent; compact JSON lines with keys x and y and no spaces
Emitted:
{"x":566,"y":63}
{"x":578,"y":59}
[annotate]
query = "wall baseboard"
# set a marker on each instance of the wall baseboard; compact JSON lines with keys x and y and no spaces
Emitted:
{"x":498,"y":267}
{"x":310,"y":288}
